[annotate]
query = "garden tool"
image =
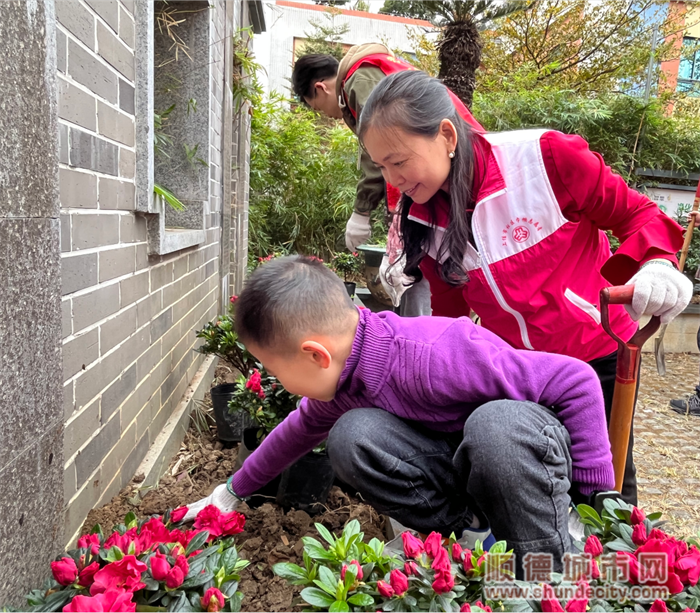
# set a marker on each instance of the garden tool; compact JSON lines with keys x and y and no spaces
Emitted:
{"x":628,"y":359}
{"x":659,"y":352}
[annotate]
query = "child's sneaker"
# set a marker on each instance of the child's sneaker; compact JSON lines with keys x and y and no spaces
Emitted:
{"x":689,"y":406}
{"x":471,"y":535}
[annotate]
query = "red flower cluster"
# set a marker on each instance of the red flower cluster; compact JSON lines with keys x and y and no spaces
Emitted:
{"x":254,"y":384}
{"x":213,"y":600}
{"x":217,"y":523}
{"x":111,"y":600}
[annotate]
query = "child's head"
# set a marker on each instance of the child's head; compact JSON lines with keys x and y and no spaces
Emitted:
{"x":413,"y":132}
{"x":313,"y":82}
{"x":296,"y":317}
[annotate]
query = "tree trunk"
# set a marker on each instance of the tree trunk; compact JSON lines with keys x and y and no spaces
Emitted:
{"x":459,"y":50}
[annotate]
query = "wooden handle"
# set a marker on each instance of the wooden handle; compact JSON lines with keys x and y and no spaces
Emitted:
{"x":620,"y":425}
{"x":689,"y":231}
{"x":618,"y":294}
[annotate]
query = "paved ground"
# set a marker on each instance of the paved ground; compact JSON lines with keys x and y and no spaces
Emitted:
{"x":667,"y":445}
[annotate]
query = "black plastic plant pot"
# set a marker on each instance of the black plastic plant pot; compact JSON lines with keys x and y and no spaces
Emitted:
{"x":350,"y":288}
{"x":229,"y":426}
{"x":249,"y":443}
{"x":306,"y":483}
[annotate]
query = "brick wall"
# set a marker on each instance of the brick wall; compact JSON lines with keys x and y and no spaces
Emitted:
{"x":129,"y":315}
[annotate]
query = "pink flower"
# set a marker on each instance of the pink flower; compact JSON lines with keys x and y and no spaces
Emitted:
{"x":357,"y":570}
{"x":550,"y":602}
{"x":482,"y":606}
{"x":687,"y":567}
{"x":209,"y":518}
{"x":628,"y":564}
{"x":457,"y":552}
{"x":177,"y":515}
{"x":254,"y":382}
{"x":159,"y":567}
{"x":465,"y":607}
{"x":87,"y":575}
{"x":441,"y":563}
{"x":443,"y":583}
{"x":65,"y":571}
{"x":213,"y":600}
{"x":467,"y":562}
{"x":637,"y":516}
{"x":410,"y":568}
{"x":125,"y":573}
{"x":593,"y":546}
{"x":233,"y":299}
{"x":123,"y":541}
{"x":594,"y":571}
{"x":231,"y":523}
{"x":639,"y":534}
{"x":433,"y":544}
{"x":91,"y":542}
{"x":111,"y":600}
{"x":412,"y":546}
{"x":670,"y":548}
{"x":659,"y":605}
{"x":577,"y":605}
{"x":399,"y":582}
{"x":153,"y":532}
{"x":175,"y":578}
{"x":385,"y":589}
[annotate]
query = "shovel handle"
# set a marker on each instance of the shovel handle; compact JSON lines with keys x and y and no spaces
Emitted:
{"x":622,"y":294}
{"x":619,"y":294}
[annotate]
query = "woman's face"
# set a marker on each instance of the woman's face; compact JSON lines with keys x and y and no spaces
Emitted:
{"x":417,"y":165}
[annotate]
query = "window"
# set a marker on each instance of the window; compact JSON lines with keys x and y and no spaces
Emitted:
{"x":689,"y":69}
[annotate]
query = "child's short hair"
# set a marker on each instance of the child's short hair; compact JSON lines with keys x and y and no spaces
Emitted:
{"x":309,"y":70}
{"x":288,"y":298}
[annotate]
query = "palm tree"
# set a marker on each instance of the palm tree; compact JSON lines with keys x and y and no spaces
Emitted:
{"x":459,"y":46}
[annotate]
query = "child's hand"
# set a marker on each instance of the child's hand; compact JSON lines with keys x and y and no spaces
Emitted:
{"x":220,"y":498}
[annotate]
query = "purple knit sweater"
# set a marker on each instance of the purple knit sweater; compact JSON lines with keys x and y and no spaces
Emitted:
{"x":438,"y":370}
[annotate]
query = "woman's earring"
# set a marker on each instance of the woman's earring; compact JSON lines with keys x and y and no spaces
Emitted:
{"x":451,"y":154}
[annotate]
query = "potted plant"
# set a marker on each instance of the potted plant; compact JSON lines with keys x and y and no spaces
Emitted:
{"x":347,"y":265}
{"x":220,"y":339}
{"x":304,"y":485}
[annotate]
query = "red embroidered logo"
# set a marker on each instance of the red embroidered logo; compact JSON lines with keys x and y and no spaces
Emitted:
{"x":521,"y":234}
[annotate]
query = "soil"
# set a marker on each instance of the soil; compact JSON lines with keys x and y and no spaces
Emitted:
{"x":667,"y":452}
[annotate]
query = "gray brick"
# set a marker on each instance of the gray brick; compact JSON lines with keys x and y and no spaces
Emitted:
{"x":91,"y":456}
{"x":94,"y":230}
{"x":81,"y":428}
{"x":181,"y":266}
{"x":63,"y":144}
{"x":76,"y":105}
{"x":79,"y":353}
{"x":161,"y":275}
{"x":78,"y":190}
{"x":148,"y":307}
{"x":141,"y":256}
{"x":148,"y":361}
{"x":68,"y":400}
{"x":69,"y":482}
{"x":90,"y":72}
{"x":61,"y":55}
{"x":161,"y":324}
{"x":80,"y":506}
{"x":108,"y":10}
{"x":115,"y":194}
{"x":132,"y":463}
{"x":66,"y":317}
{"x":116,"y":262}
{"x":114,"y":460}
{"x":127,"y":229}
{"x":126,"y":97}
{"x":133,"y":288}
{"x":127,"y":163}
{"x":78,"y":272}
{"x":93,"y":153}
{"x":94,"y":306}
{"x":116,"y":393}
{"x":173,"y":292}
{"x":129,"y":5}
{"x":115,"y":125}
{"x":126,"y":28}
{"x":65,"y":233}
{"x":114,"y":331}
{"x":115,"y":52}
{"x":75,"y":18}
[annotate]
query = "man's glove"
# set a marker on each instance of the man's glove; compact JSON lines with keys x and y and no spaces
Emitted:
{"x":220,"y":498}
{"x":357,"y":231}
{"x":659,"y":289}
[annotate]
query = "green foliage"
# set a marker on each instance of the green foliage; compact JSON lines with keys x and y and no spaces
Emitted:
{"x":244,"y":86}
{"x":692,"y":262}
{"x":325,"y":36}
{"x":303,"y":177}
{"x":168,"y":196}
{"x":346,"y":264}
{"x":408,"y":8}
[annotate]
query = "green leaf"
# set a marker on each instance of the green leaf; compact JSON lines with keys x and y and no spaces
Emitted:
{"x":229,"y":559}
{"x":352,"y":528}
{"x":57,"y":600}
{"x":499,"y":547}
{"x":328,"y":578}
{"x":586,"y":512}
{"x":327,"y":536}
{"x":654,"y":516}
{"x":197,"y":542}
{"x":289,"y":571}
{"x":130,"y":520}
{"x":317,"y":598}
{"x":365,"y":600}
{"x":325,"y":588}
{"x":234,"y":604}
{"x":619,"y":545}
{"x":182,"y":604}
{"x":169,"y":197}
{"x":316,"y":550}
{"x":339,"y":605}
{"x":200,"y":579}
{"x":229,"y":588}
{"x":611,"y":505}
{"x":97,"y":529}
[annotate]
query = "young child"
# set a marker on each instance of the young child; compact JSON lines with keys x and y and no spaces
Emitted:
{"x":435,"y":421}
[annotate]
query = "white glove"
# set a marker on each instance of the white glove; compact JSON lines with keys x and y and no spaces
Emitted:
{"x":220,"y":498}
{"x":393,"y":280}
{"x":357,"y":231}
{"x":659,"y":289}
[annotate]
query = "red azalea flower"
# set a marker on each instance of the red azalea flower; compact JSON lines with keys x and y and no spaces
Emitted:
{"x":659,"y":605}
{"x":629,"y":565}
{"x":482,"y":606}
{"x":412,"y":546}
{"x":125,"y":573}
{"x":465,"y":607}
{"x":175,"y":578}
{"x":593,"y":546}
{"x":357,"y":570}
{"x":231,"y":523}
{"x":399,"y":582}
{"x":433,"y":544}
{"x":65,"y":571}
{"x":595,"y":571}
{"x":209,"y":519}
{"x":87,"y":575}
{"x":154,"y":532}
{"x":159,"y":567}
{"x":637,"y":516}
{"x":639,"y":534}
{"x":177,"y":515}
{"x":670,"y":549}
{"x":182,"y":537}
{"x":443,"y":582}
{"x":213,"y":600}
{"x":551,"y":605}
{"x":410,"y":568}
{"x":385,"y":589}
{"x":233,"y":299}
{"x":687,"y":567}
{"x":111,"y":600}
{"x":467,"y":562}
{"x":91,"y":542}
{"x":576,"y":605}
{"x":457,"y":552}
{"x":254,"y":382}
{"x":442,"y":561}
